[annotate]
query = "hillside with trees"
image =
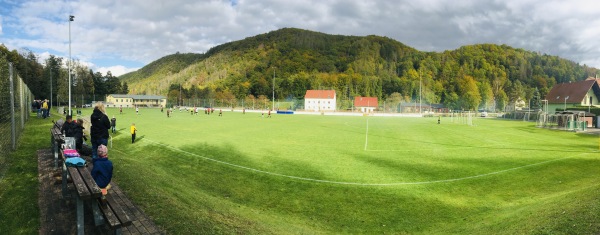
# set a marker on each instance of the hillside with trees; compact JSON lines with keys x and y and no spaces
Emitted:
{"x":484,"y":76}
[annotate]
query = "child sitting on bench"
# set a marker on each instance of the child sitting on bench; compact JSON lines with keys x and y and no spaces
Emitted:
{"x":102,"y":172}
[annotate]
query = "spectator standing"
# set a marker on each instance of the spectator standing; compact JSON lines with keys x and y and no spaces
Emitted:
{"x":45,"y":109}
{"x":38,"y":106}
{"x":80,"y":136}
{"x":99,"y":129}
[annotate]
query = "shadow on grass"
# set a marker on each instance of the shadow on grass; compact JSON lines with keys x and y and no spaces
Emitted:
{"x":225,"y":172}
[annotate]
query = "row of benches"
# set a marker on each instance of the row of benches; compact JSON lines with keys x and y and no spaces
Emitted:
{"x":86,"y":188}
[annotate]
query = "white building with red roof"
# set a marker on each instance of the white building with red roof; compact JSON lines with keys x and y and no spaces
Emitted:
{"x":320,"y":100}
{"x":365,"y":104}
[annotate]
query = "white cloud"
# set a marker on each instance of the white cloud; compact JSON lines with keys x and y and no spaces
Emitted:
{"x":141,"y":31}
{"x":116,"y":70}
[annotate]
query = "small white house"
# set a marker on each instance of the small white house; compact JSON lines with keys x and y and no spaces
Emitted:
{"x":365,"y":104}
{"x":320,"y":100}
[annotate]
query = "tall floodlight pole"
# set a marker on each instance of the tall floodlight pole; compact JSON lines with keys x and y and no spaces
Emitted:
{"x":420,"y":108}
{"x":70,"y":62}
{"x":273,"y":106}
{"x":50,"y":86}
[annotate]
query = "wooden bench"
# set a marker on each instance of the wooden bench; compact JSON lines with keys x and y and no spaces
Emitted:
{"x":87,"y":190}
{"x":56,"y":139}
{"x":114,"y":215}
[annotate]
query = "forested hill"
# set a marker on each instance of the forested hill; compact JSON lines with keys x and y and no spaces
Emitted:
{"x":469,"y":77}
{"x":170,"y":64}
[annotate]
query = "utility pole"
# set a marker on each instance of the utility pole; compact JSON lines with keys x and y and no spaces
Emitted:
{"x":420,"y":108}
{"x":273,"y":88}
{"x":70,"y":62}
{"x":50,"y":86}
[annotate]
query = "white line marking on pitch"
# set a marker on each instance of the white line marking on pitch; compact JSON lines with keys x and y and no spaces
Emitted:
{"x":356,"y":183}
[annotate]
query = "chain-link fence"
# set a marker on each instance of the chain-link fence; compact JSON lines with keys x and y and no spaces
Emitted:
{"x":526,"y":116}
{"x":577,"y":121}
{"x":15,"y":107}
{"x":298,"y":105}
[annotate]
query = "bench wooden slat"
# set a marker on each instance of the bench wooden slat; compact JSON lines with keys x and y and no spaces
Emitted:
{"x":57,"y":134}
{"x":80,"y":186}
{"x":90,"y":182}
{"x":118,"y":210}
{"x":109,"y":216}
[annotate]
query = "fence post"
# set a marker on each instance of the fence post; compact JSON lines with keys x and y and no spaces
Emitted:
{"x":12,"y":106}
{"x":22,"y":103}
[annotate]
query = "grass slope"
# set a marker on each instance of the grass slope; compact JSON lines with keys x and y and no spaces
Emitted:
{"x":19,"y":211}
{"x":246,"y":174}
{"x":298,"y":174}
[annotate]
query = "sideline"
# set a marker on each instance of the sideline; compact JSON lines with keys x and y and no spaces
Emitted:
{"x":356,"y":183}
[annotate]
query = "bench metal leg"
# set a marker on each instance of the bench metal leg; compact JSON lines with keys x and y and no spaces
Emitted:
{"x":64,"y":182}
{"x":80,"y":230}
{"x":55,"y":148}
{"x":98,"y":218}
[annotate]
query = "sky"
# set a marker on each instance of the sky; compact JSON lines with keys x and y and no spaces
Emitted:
{"x":123,"y":36}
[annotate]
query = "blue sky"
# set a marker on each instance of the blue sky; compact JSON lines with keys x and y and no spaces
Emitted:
{"x":122,"y":36}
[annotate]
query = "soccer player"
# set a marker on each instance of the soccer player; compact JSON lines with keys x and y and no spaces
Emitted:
{"x":133,"y":132}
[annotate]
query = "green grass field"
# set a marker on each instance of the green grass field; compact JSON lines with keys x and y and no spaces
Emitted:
{"x":304,"y":174}
{"x":298,"y":174}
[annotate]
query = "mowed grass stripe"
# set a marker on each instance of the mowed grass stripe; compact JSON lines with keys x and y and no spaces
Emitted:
{"x":188,"y":194}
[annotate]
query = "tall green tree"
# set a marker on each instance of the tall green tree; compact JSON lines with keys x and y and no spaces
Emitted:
{"x":470,"y":93}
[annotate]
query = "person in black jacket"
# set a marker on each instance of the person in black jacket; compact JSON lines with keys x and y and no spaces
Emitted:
{"x":99,"y":129}
{"x":80,"y":137}
{"x":68,"y":128}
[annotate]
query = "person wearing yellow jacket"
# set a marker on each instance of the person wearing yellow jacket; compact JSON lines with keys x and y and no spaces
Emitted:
{"x":45,"y":109}
{"x":133,"y":132}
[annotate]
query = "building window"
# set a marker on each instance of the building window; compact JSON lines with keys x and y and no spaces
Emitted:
{"x":591,"y":100}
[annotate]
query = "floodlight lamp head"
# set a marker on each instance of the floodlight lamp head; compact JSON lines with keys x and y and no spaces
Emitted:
{"x":71,"y":18}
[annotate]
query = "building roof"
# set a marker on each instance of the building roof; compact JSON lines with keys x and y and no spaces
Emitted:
{"x":574,"y":92}
{"x":320,"y":94}
{"x":138,"y":97}
{"x":360,"y":101}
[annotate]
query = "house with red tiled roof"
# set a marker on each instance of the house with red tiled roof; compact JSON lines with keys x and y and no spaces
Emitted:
{"x":574,"y":94}
{"x":365,"y":104}
{"x":320,"y":100}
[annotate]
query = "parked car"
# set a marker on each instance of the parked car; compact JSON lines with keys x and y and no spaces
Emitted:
{"x":484,"y":114}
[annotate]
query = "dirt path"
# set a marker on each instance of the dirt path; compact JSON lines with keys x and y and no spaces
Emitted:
{"x":58,"y":216}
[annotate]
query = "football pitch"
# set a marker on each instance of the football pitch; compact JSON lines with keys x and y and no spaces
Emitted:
{"x":245,"y":173}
